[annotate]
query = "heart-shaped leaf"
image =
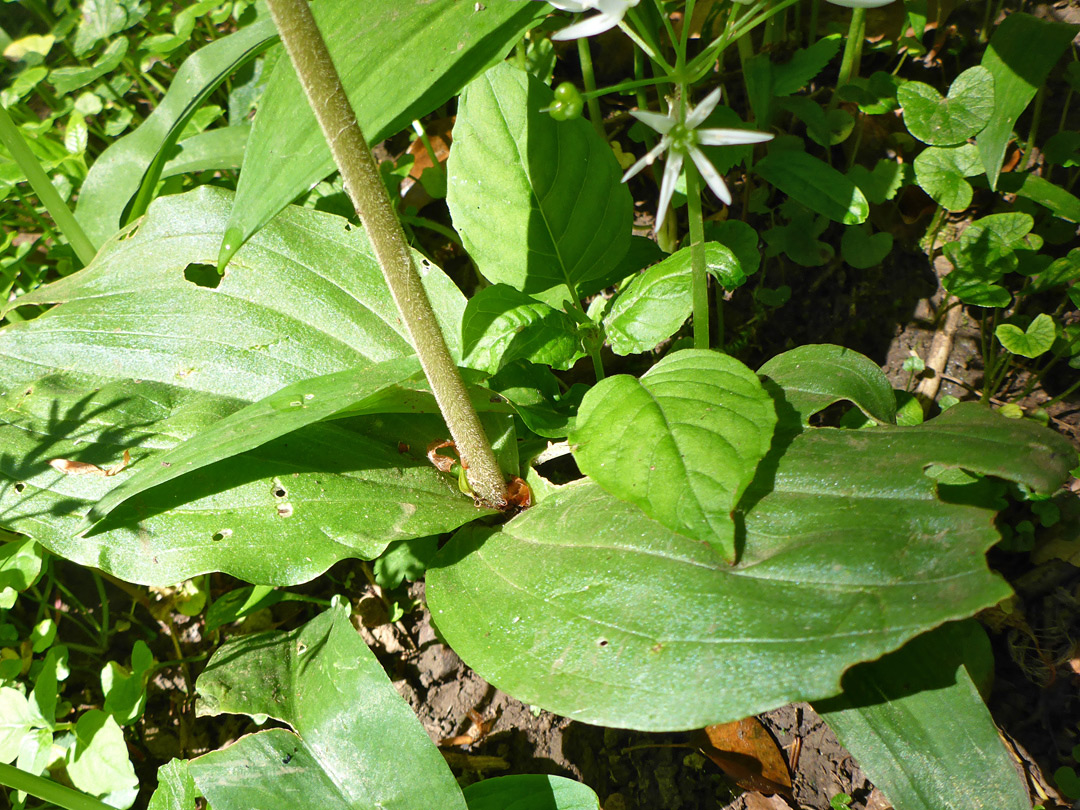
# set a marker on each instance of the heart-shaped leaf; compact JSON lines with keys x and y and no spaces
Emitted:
{"x":350,"y":730}
{"x":951,"y":120}
{"x":501,"y":325}
{"x":985,"y":252}
{"x":813,"y":377}
{"x":137,"y":357}
{"x":538,"y":202}
{"x":657,"y":303}
{"x":682,"y":442}
{"x":861,"y":249}
{"x":1031,"y":342}
{"x":586,"y":607}
{"x":941,"y":173}
{"x":880,"y":183}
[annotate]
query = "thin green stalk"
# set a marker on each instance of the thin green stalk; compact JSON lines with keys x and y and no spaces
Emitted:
{"x":43,"y":187}
{"x":521,"y":54}
{"x":354,"y":160}
{"x":811,"y":32}
{"x":699,"y":279}
{"x":1061,"y":396}
{"x":849,"y":65}
{"x":595,"y":117}
{"x":48,"y":790}
{"x":1033,"y":133}
{"x":418,"y":128}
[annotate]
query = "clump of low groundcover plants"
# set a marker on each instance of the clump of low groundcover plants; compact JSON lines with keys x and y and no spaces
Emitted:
{"x":228,"y":384}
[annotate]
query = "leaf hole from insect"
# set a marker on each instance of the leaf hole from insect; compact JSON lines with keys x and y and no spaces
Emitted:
{"x":603,"y":642}
{"x":203,"y":275}
{"x":279,"y":492}
{"x":224,"y":534}
{"x":19,"y":487}
{"x":285,"y":510}
{"x":301,"y":647}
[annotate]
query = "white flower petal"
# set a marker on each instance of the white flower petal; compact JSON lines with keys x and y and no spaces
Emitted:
{"x":661,"y":123}
{"x":648,"y":160}
{"x":591,"y":26}
{"x":711,"y":175}
{"x":667,"y":187}
{"x":731,"y":137}
{"x":703,"y":110}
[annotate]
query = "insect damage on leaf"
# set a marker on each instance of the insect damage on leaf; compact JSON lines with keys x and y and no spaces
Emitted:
{"x":68,"y":467}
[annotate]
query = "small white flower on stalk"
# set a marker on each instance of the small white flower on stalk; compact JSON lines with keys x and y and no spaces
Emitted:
{"x":611,"y":14}
{"x":682,"y":138}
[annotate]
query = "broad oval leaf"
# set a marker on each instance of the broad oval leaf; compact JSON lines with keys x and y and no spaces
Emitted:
{"x":657,"y":303}
{"x":941,"y":174}
{"x":588,"y":608}
{"x":351,"y":731}
{"x":439,"y":44}
{"x":899,"y":716}
{"x":815,"y":184}
{"x":538,"y":202}
{"x":501,"y":325}
{"x":137,"y":357}
{"x":815,"y":376}
{"x":682,"y":442}
{"x":948,"y":121}
{"x":530,"y":792}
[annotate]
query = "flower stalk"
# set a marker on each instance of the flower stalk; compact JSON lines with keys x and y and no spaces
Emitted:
{"x":354,"y":160}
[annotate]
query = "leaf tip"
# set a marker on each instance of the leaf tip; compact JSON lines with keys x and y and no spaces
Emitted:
{"x":231,"y":241}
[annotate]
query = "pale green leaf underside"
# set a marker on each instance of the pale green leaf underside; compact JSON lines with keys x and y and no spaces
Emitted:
{"x":438,"y":44}
{"x":1031,"y":342}
{"x":354,"y":742}
{"x":588,"y":608}
{"x":137,"y":358}
{"x":538,"y":203}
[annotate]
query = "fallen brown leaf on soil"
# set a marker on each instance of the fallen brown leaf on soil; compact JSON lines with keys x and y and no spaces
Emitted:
{"x":747,"y":753}
{"x":84,"y":468}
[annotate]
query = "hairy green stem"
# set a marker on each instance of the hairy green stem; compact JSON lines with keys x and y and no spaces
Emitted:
{"x":354,"y":160}
{"x":50,"y":791}
{"x":595,"y":117}
{"x":699,"y":279}
{"x":43,"y":187}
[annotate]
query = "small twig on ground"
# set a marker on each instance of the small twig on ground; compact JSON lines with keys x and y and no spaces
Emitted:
{"x":938,"y":357}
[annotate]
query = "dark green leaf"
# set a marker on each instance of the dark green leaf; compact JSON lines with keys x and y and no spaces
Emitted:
{"x":880,"y":183}
{"x":405,"y":560}
{"x":241,"y":602}
{"x":806,"y":63}
{"x":586,"y":607}
{"x":530,"y":792}
{"x":682,"y":442}
{"x":861,"y":249}
{"x":1053,"y":197}
{"x":813,"y":377}
{"x":1021,"y":53}
{"x":66,"y":79}
{"x":815,"y":184}
{"x":899,"y":717}
{"x":351,"y":731}
{"x":440,"y":45}
{"x":538,"y":203}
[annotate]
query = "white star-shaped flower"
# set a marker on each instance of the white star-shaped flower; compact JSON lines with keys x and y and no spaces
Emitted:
{"x":611,"y":14}
{"x":682,"y":138}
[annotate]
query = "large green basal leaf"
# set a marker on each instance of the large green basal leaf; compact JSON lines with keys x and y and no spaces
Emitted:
{"x":919,"y":728}
{"x":138,"y":358}
{"x":586,"y":607}
{"x":815,"y":184}
{"x":530,"y":791}
{"x":354,"y":743}
{"x":538,"y":202}
{"x":682,"y":442}
{"x":398,"y":61}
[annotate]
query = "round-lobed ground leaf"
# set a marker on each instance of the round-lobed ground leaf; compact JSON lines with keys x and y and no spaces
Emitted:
{"x":538,"y":202}
{"x":814,"y":376}
{"x":815,"y":184}
{"x":985,"y":252}
{"x":682,"y":442}
{"x":861,"y":249}
{"x":586,"y":607}
{"x":350,"y":730}
{"x":657,"y":303}
{"x":947,"y":121}
{"x":139,"y":358}
{"x":1031,"y":342}
{"x":941,"y":172}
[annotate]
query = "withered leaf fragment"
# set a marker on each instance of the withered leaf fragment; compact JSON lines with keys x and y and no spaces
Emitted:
{"x":69,"y":467}
{"x":747,"y":753}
